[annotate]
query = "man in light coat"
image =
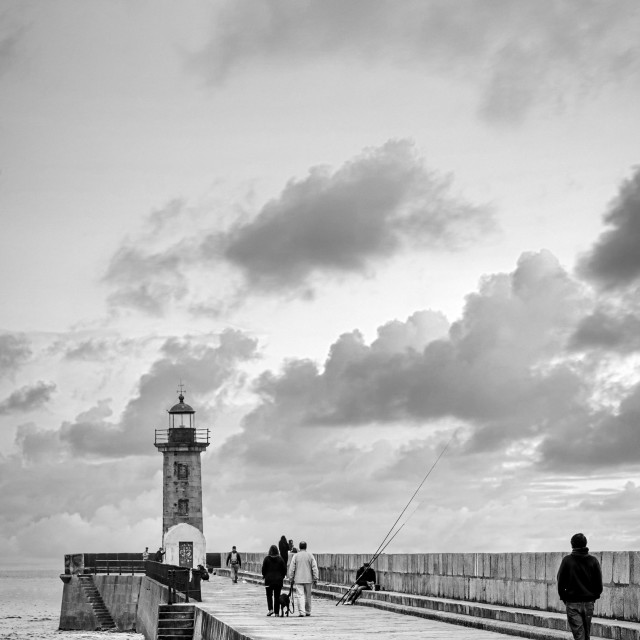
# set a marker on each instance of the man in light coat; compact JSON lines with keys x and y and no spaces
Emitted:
{"x":303,"y":572}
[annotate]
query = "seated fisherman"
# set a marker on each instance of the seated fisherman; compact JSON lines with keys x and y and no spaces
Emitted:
{"x":365,"y":581}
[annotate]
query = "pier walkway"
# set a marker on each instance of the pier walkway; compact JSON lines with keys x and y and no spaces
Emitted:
{"x":240,"y":611}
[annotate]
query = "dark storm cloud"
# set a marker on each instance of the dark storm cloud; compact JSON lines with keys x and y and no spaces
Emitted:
{"x":206,"y":369}
{"x":331,"y":223}
{"x":27,"y":398}
{"x":14,"y":351}
{"x":614,"y":260}
{"x":520,"y":53}
{"x":367,"y":210}
{"x":589,"y":439}
{"x":608,"y":330}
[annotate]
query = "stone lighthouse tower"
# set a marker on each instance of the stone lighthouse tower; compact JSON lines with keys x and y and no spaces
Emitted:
{"x":181,"y":445}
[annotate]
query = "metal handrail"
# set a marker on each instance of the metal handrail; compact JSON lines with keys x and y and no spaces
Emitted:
{"x":176,"y":578}
{"x":118,"y":567}
{"x":200,"y":436}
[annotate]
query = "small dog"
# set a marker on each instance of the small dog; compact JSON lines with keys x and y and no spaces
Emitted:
{"x":286,"y":603}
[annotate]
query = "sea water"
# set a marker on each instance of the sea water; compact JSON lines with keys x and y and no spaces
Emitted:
{"x":30,"y":603}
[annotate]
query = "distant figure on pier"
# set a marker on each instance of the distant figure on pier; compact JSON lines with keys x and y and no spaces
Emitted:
{"x":159,"y":554}
{"x":145,"y":554}
{"x":303,"y":572}
{"x":283,"y":545}
{"x":365,"y":581}
{"x":204,"y":574}
{"x":235,"y":562}
{"x":579,"y":586}
{"x":292,"y":551}
{"x":274,"y":570}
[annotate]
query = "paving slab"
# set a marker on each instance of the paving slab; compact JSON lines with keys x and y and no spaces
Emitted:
{"x":243,"y":608}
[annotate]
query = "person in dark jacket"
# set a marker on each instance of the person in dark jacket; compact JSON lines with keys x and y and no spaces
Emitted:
{"x":235,"y":562}
{"x":365,"y":581}
{"x":274,"y":569}
{"x":579,"y":586}
{"x":283,"y":545}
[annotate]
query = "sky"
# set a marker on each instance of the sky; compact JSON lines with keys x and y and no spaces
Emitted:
{"x":360,"y":233}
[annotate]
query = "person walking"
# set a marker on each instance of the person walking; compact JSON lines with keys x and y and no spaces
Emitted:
{"x":283,"y":546}
{"x":579,"y":586}
{"x":145,"y":554}
{"x":303,"y":572}
{"x":274,"y":570}
{"x":235,"y":562}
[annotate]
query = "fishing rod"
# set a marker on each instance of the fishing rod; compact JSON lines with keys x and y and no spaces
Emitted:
{"x":385,"y":543}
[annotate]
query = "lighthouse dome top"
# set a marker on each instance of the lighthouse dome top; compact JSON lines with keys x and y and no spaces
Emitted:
{"x":181,"y":407}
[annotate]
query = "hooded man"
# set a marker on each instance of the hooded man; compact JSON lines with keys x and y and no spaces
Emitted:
{"x":579,"y":586}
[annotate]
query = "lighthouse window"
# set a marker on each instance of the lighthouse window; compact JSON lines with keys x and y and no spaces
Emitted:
{"x":181,"y":471}
{"x":183,"y":507}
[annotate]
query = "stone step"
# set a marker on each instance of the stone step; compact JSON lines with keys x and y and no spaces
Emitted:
{"x":100,"y":611}
{"x":175,"y":616}
{"x":173,"y":623}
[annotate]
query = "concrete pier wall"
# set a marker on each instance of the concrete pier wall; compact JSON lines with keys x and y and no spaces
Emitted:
{"x":120,"y":595}
{"x":76,"y":613}
{"x":152,"y":595}
{"x":511,"y":579}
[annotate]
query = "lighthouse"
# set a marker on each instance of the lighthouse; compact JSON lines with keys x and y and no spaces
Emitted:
{"x":181,"y":445}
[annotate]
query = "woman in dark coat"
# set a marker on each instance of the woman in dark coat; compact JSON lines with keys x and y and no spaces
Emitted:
{"x":283,"y":545}
{"x":274,"y":569}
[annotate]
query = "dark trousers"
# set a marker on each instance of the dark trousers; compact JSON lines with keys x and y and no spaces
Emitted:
{"x":357,"y":592}
{"x":579,"y":616}
{"x":273,"y":598}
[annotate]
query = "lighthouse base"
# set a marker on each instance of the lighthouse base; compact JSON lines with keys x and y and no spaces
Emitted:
{"x":185,"y":546}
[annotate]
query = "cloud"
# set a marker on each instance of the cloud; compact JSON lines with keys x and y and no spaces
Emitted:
{"x":520,"y":54}
{"x":92,"y":349}
{"x":492,"y":368}
{"x":591,"y":439}
{"x":331,"y":223}
{"x":112,"y":505}
{"x":15,"y":350}
{"x":27,"y":398}
{"x":614,"y":330}
{"x":209,"y":371}
{"x":147,"y":282}
{"x":341,"y":222}
{"x":506,"y":373}
{"x":614,"y":260}
{"x":10,"y":41}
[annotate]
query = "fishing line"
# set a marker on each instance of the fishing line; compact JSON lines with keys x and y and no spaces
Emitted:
{"x":385,"y":543}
